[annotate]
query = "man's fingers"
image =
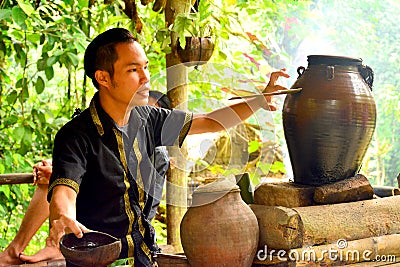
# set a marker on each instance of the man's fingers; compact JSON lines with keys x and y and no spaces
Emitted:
{"x":75,"y":227}
{"x":275,"y":76}
{"x":83,"y":228}
{"x":272,"y":86}
{"x":45,"y":163}
{"x":65,"y":225}
{"x":55,"y":236}
{"x":272,"y":107}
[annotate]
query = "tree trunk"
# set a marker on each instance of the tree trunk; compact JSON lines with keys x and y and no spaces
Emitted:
{"x":177,"y":92}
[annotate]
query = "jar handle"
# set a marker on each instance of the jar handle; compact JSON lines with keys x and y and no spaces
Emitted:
{"x":300,"y":71}
{"x":330,"y":72}
{"x":368,"y":74}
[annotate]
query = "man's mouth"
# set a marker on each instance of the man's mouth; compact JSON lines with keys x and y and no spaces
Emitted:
{"x":144,"y":89}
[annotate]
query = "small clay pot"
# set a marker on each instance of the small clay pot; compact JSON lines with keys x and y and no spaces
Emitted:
{"x":197,"y":51}
{"x":94,"y":249}
{"x":219,"y":229}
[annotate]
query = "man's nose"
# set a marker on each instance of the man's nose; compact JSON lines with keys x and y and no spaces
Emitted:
{"x":144,"y":75}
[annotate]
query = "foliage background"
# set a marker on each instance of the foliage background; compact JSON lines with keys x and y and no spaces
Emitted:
{"x":42,"y":81}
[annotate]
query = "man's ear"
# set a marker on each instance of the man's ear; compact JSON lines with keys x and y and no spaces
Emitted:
{"x":103,"y":78}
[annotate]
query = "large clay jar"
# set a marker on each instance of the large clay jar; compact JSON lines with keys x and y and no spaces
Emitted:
{"x":328,"y":126}
{"x":219,"y":229}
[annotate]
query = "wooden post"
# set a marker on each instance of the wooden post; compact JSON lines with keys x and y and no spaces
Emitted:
{"x":177,"y":92}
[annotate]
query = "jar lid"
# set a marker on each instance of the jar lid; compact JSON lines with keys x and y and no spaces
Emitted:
{"x":209,"y":193}
{"x":333,"y":60}
{"x":225,"y":184}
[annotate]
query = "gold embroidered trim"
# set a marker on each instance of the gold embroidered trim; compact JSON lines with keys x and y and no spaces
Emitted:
{"x":65,"y":181}
{"x":139,"y":182}
{"x":95,"y":118}
{"x":141,"y":228}
{"x":128,"y":208}
{"x":146,"y":250}
{"x":120,"y":142}
{"x":186,"y":127}
{"x":131,"y":246}
{"x":139,"y":179}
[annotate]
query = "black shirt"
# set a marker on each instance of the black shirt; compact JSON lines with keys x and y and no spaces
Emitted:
{"x":113,"y":173}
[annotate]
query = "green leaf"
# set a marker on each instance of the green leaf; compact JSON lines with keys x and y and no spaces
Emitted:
{"x":47,"y":47}
{"x":222,"y":55}
{"x":12,"y":97}
{"x":19,"y":17}
{"x":41,"y":64}
{"x":40,"y":116}
{"x":5,"y":14}
{"x":278,"y":166}
{"x":2,"y":210}
{"x":42,"y":39}
{"x":39,"y":85}
{"x":6,"y":191}
{"x":18,"y":132}
{"x":27,"y":8}
{"x":83,"y":3}
{"x":254,"y":146}
{"x":11,"y":120}
{"x":49,"y":73}
{"x":73,"y":58}
{"x":264,"y":167}
{"x":27,"y":139}
{"x":17,"y":48}
{"x":51,"y":61}
{"x":21,"y":83}
{"x":25,"y":93}
{"x":33,"y":37}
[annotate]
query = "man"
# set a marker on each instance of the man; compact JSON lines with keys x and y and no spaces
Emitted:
{"x":102,"y":160}
{"x":38,"y":209}
{"x":36,"y":213}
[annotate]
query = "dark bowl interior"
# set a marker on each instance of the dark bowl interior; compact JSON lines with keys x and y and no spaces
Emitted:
{"x":93,"y":249}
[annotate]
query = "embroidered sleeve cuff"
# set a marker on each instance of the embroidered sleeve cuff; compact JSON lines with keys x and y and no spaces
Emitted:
{"x":62,"y":181}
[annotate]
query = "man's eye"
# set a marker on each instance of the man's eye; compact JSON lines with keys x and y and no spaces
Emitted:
{"x":132,"y":70}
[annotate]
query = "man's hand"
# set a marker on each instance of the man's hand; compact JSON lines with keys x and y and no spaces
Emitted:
{"x":42,"y":172}
{"x":272,"y":86}
{"x":63,"y":214}
{"x":65,"y":225}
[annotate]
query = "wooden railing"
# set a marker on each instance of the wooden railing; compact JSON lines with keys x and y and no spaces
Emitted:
{"x":16,"y":178}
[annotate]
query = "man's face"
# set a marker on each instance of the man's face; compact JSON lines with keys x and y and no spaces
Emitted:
{"x":130,"y":73}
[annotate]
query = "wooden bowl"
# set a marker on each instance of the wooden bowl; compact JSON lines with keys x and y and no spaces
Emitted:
{"x":93,"y":249}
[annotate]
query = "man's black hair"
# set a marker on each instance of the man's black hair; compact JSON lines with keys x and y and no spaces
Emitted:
{"x":100,"y":53}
